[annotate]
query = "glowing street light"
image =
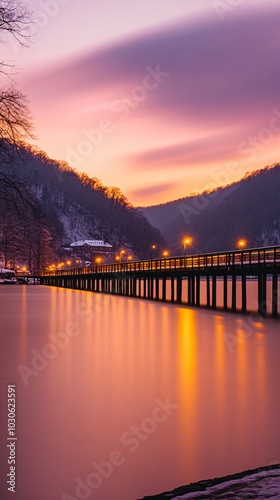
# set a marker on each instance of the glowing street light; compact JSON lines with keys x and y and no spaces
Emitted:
{"x":187,"y":242}
{"x":242,"y":244}
{"x":98,"y":260}
{"x":165,"y":253}
{"x":153,"y":247}
{"x":122,"y":253}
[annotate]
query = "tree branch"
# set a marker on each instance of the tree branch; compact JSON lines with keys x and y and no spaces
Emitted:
{"x":15,"y":19}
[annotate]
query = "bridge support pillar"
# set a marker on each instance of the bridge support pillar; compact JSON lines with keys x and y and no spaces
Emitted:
{"x":262,"y":282}
{"x":172,"y":290}
{"x":193,"y":290}
{"x":197,"y":291}
{"x":189,"y":290}
{"x":244,"y":293}
{"x":132,"y":287}
{"x":126,"y":287}
{"x":214,"y":291}
{"x":157,"y":288}
{"x":225,"y":292}
{"x":150,"y":288}
{"x":275,"y":295}
{"x":208,"y":298}
{"x":179,"y":290}
{"x":164,"y":289}
{"x":233,"y":293}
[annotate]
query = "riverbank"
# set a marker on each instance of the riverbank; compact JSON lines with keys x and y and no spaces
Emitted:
{"x":258,"y":484}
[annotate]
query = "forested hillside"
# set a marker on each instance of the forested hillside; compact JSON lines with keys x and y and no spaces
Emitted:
{"x":216,"y":220}
{"x":45,"y":205}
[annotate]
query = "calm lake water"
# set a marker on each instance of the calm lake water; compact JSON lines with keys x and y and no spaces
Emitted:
{"x":119,"y":398}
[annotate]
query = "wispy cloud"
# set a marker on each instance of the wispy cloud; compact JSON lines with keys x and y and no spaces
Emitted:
{"x":223,"y":83}
{"x":217,"y":71}
{"x":187,"y":154}
{"x":150,"y":191}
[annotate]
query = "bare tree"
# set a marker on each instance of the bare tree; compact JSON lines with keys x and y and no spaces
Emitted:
{"x":15,"y":18}
{"x":15,"y":119}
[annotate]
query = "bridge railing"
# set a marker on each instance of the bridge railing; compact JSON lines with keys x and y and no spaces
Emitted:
{"x":268,"y":256}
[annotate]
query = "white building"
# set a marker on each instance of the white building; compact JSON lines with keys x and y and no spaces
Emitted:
{"x":95,"y":246}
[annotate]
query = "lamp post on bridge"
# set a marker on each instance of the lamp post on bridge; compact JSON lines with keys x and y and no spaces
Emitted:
{"x":153,"y":247}
{"x":120,"y":256}
{"x":186,"y":243}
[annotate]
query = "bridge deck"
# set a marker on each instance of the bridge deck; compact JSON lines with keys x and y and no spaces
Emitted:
{"x":247,"y":260}
{"x":147,"y":279}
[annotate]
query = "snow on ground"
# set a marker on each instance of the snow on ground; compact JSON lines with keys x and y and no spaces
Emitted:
{"x":260,"y":486}
{"x":257,"y":484}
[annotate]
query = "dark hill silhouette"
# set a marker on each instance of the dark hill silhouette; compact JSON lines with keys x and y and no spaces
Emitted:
{"x":69,"y":205}
{"x":247,"y":209}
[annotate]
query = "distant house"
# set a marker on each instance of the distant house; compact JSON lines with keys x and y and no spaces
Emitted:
{"x":91,"y":246}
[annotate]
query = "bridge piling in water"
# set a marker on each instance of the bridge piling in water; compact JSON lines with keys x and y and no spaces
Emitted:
{"x":274,"y":295}
{"x":208,"y":299}
{"x":214,"y":291}
{"x":244,"y":293}
{"x":225,"y":294}
{"x":190,"y":277}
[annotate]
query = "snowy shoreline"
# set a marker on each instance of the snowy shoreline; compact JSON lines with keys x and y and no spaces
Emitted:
{"x":258,"y":484}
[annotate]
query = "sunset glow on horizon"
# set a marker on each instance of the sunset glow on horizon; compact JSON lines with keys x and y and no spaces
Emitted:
{"x":160,"y":99}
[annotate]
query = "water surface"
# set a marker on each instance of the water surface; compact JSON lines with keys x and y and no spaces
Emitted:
{"x":93,"y":373}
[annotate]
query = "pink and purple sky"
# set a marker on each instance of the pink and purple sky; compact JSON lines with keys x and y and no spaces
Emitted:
{"x":160,"y":98}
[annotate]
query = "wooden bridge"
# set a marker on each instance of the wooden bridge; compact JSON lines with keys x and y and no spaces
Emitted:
{"x":148,"y":279}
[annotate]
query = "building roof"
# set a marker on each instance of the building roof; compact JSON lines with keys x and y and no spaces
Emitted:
{"x":91,"y":243}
